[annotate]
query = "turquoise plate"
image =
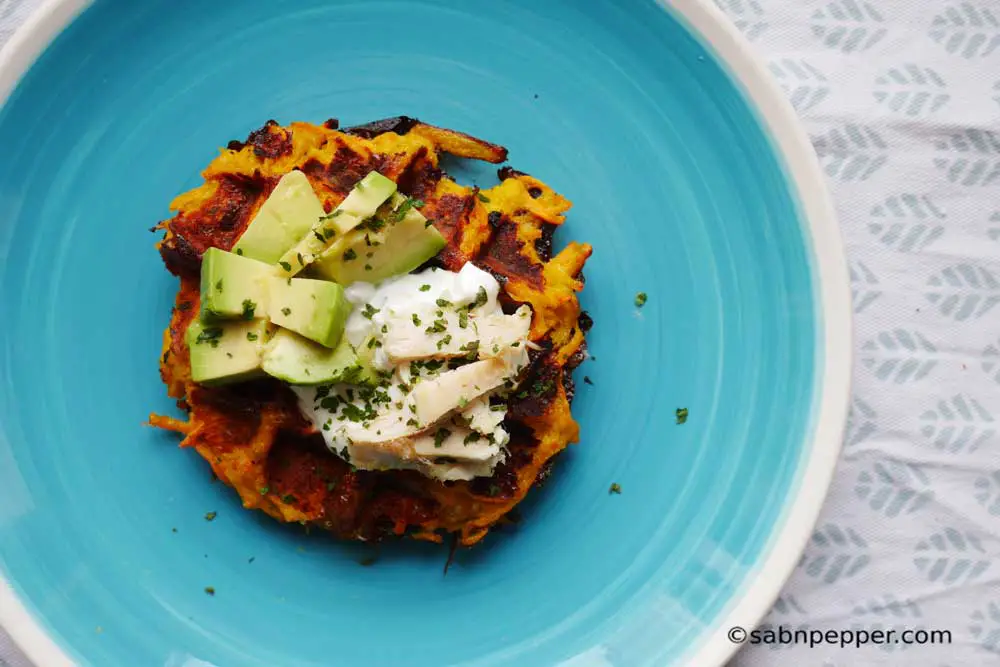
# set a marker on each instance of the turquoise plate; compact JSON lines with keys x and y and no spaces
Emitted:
{"x":690,"y":177}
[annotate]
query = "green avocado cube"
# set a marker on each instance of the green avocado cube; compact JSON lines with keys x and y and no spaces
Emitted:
{"x":233,"y":287}
{"x":297,"y":360}
{"x":360,"y":204}
{"x":316,"y":309}
{"x":284,"y":218}
{"x":226,"y":352}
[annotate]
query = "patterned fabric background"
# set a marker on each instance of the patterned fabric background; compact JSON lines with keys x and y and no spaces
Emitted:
{"x":902,"y":100}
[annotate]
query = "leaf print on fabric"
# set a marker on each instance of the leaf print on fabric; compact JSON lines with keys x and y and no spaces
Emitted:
{"x":848,"y":25}
{"x":864,"y":286}
{"x":958,"y":425}
{"x":834,"y":553}
{"x":907,"y":223}
{"x":888,"y":607}
{"x":977,"y":161}
{"x":787,"y":605}
{"x":911,"y":90}
{"x":967,"y":29}
{"x":994,"y":232}
{"x":991,"y":361}
{"x":804,"y":85}
{"x":893,"y":488}
{"x":860,"y":423}
{"x":985,"y":627}
{"x":950,"y":557}
{"x":963,"y":292}
{"x":988,"y":493}
{"x":899,"y":356}
{"x":747,"y":16}
{"x":851,"y":153}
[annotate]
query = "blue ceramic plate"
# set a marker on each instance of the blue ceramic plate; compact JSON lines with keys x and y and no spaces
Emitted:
{"x":691,"y":179}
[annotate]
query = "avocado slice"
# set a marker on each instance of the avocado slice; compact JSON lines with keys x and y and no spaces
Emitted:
{"x":226,"y":352}
{"x":233,"y":287}
{"x":361,"y":203}
{"x":407,"y":241}
{"x":283,"y":219}
{"x":316,"y":309}
{"x":296,"y":360}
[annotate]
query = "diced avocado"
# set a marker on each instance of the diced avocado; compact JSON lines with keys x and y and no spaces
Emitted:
{"x":226,"y":352}
{"x":316,"y":309}
{"x":233,"y":287}
{"x":287,"y":215}
{"x":359,"y":205}
{"x":407,"y":241}
{"x":296,"y":360}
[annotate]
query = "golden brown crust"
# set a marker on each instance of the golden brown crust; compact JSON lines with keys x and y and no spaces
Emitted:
{"x":253,"y":435}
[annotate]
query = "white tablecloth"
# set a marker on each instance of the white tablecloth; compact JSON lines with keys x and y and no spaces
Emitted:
{"x":902,"y":99}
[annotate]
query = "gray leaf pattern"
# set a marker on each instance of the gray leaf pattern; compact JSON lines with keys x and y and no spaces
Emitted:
{"x":978,"y":162}
{"x":894,"y":488}
{"x":911,"y":90}
{"x":967,"y":29}
{"x":804,"y":85}
{"x":851,"y":153}
{"x":988,"y":493}
{"x":963,"y":292}
{"x":958,"y":425}
{"x":835,"y":553}
{"x":994,"y":232}
{"x":888,"y":607}
{"x":848,"y":25}
{"x":747,"y":16}
{"x":861,"y":423}
{"x":950,"y":557}
{"x":985,"y":627}
{"x":991,"y":361}
{"x":899,"y":356}
{"x":864,"y":286}
{"x":907,"y":223}
{"x":787,"y":605}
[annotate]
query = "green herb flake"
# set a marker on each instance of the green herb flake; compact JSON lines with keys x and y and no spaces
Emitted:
{"x":210,"y":335}
{"x":440,"y":436}
{"x":438,"y":326}
{"x":286,"y":311}
{"x":425,"y":288}
{"x":416,"y":320}
{"x":587,"y":380}
{"x":239,"y":251}
{"x":463,"y":320}
{"x":443,"y":303}
{"x":640,"y":299}
{"x":369,"y":311}
{"x":218,"y":285}
{"x":249,"y":307}
{"x":319,"y":237}
{"x":615,"y":488}
{"x":210,"y":516}
{"x":265,"y":490}
{"x":444,"y":341}
{"x":210,"y":590}
{"x":349,"y":254}
{"x":286,"y":266}
{"x":288,"y":499}
{"x":481,"y":298}
{"x":471,"y":438}
{"x":682,"y":415}
{"x":483,"y":198}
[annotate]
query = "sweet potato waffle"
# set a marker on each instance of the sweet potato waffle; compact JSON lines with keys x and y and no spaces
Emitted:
{"x":253,"y":435}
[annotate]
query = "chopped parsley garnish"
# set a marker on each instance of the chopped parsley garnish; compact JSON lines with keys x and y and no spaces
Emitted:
{"x":483,"y":198}
{"x":640,"y":299}
{"x":471,"y":438}
{"x":412,"y":422}
{"x":302,"y":261}
{"x":369,"y":311}
{"x":248,"y":309}
{"x":444,"y":341}
{"x":210,"y":335}
{"x":405,"y":207}
{"x":615,"y":488}
{"x":251,"y":336}
{"x":328,"y":233}
{"x":285,"y":265}
{"x":462,"y":402}
{"x":481,"y":298}
{"x":349,"y":254}
{"x":439,"y":326}
{"x":286,"y":311}
{"x":368,"y":267}
{"x":210,"y":590}
{"x":416,"y":320}
{"x":439,"y":437}
{"x":319,"y":237}
{"x":266,"y":490}
{"x":682,"y":415}
{"x":210,"y":516}
{"x":425,"y":288}
{"x":443,"y":303}
{"x":239,"y":251}
{"x":335,"y":213}
{"x":218,"y":285}
{"x":385,"y":328}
